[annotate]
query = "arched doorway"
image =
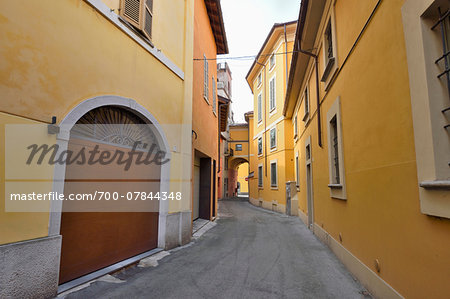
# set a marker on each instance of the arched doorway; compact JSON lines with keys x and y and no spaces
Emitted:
{"x":237,"y":173}
{"x":96,"y":233}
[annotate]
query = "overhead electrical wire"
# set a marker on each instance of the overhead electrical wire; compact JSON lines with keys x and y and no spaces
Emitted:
{"x":243,"y":58}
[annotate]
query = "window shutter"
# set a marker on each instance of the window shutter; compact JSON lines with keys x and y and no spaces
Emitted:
{"x":132,"y":12}
{"x":205,"y":77}
{"x":272,"y":94}
{"x":148,"y":18}
{"x":207,"y":81}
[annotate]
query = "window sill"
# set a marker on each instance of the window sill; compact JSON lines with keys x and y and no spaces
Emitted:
{"x":435,"y":185}
{"x":137,"y":32}
{"x":214,"y":112}
{"x":306,"y":117}
{"x":273,"y":149}
{"x":272,"y":112}
{"x":274,"y":187}
{"x":260,"y":187}
{"x":206,"y":100}
{"x":335,"y":186}
{"x":328,"y":69}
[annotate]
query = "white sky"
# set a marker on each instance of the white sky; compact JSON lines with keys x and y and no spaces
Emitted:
{"x":247,"y":24}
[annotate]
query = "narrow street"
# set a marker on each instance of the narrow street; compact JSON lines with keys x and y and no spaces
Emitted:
{"x":250,"y":253}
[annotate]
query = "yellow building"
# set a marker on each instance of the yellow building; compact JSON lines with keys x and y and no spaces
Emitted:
{"x":368,"y":103}
{"x":237,"y":156}
{"x":209,"y":40}
{"x":95,"y":62}
{"x":271,"y":152}
{"x":242,"y":174}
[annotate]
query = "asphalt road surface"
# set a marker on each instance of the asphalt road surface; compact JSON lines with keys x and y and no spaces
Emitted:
{"x":250,"y":253}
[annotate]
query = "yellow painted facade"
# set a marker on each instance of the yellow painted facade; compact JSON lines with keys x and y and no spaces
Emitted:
{"x":267,"y":69}
{"x":371,"y":218}
{"x":242,"y":174}
{"x":72,"y":57}
{"x":47,"y":68}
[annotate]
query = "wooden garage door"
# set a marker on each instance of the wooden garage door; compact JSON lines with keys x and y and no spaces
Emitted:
{"x":96,"y":238}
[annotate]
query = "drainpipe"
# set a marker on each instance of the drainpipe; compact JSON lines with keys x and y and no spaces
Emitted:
{"x":265,"y":118}
{"x":319,"y":122}
{"x":286,"y":57}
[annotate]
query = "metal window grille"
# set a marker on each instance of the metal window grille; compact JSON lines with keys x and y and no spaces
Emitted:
{"x":335,"y":145}
{"x":273,"y":174}
{"x":444,"y":61}
{"x":260,"y":176}
{"x":329,"y":37}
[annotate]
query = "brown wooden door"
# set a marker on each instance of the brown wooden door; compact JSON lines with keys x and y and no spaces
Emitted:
{"x":94,"y":240}
{"x":205,"y":188}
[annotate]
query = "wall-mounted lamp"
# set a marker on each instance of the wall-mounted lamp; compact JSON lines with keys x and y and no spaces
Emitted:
{"x":53,"y":128}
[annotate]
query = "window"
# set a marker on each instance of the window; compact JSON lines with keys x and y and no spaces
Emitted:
{"x":259,"y":79}
{"x":329,"y":50}
{"x":295,"y":126}
{"x":273,"y":138}
{"x":259,"y":108}
{"x":273,"y":174}
{"x":306,"y":103}
{"x":297,"y":171}
{"x":260,"y":176}
{"x":225,"y":166}
{"x":260,"y":146}
{"x":426,"y":30}
{"x":214,"y":95}
{"x":335,"y":152}
{"x":444,"y":61}
{"x":205,"y":79}
{"x":272,"y":61}
{"x":139,"y":14}
{"x":272,"y":94}
{"x":238,"y":147}
{"x":308,"y":152}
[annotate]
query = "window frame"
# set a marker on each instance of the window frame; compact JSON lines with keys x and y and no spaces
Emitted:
{"x":306,"y":103}
{"x":338,"y":189}
{"x":427,"y":93}
{"x":273,"y":146}
{"x":272,"y":63}
{"x":297,"y":170}
{"x":214,"y":96}
{"x":272,"y":93}
{"x":205,"y":79}
{"x":260,"y":176}
{"x":274,"y":162}
{"x":330,"y":64}
{"x":259,"y":80}
{"x":260,"y":107}
{"x":295,"y":124}
{"x":139,"y":25}
{"x":260,"y":142}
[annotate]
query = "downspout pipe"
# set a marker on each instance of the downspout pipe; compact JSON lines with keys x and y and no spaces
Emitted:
{"x":286,"y":57}
{"x":316,"y":62}
{"x":265,"y":119}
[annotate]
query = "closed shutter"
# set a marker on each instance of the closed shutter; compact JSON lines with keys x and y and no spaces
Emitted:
{"x":205,"y":77}
{"x":138,"y":13}
{"x":132,"y":12}
{"x":148,"y":18}
{"x":272,"y":93}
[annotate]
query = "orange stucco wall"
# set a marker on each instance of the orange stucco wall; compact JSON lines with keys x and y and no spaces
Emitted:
{"x":204,"y":120}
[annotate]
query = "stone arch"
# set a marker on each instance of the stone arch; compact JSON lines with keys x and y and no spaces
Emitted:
{"x":62,"y":141}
